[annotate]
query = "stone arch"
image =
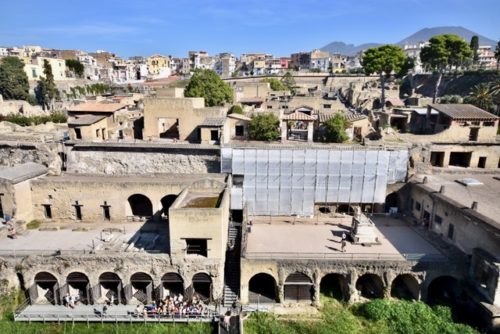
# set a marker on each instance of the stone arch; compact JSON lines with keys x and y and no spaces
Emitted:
{"x":405,"y":286}
{"x":78,"y":286}
{"x":110,"y":288}
{"x":202,"y":286}
{"x":370,"y":286}
{"x":298,"y":287}
{"x":445,"y":290}
{"x":262,"y":288}
{"x":335,"y":286}
{"x":141,"y":287}
{"x":140,"y":205}
{"x":171,"y":284}
{"x":391,"y":200}
{"x":166,"y":203}
{"x":45,"y":289}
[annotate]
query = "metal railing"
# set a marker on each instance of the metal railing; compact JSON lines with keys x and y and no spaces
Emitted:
{"x":22,"y":314}
{"x":344,"y":256}
{"x":59,"y":252}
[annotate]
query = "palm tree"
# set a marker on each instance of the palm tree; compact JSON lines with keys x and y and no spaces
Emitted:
{"x":481,"y":96}
{"x":495,"y":92}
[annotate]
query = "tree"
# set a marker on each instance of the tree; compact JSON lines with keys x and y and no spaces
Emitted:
{"x":474,"y":46}
{"x":385,"y":60}
{"x":75,"y":66}
{"x":335,"y":129}
{"x":443,"y":53}
{"x":275,"y":84}
{"x":207,"y":84}
{"x":14,"y":83}
{"x":497,"y":54}
{"x":264,"y":127}
{"x":289,"y":82}
{"x":495,"y":92}
{"x":236,"y":109}
{"x":46,"y":91}
{"x":481,"y":96}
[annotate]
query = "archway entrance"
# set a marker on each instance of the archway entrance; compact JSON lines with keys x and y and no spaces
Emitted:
{"x":335,"y":286}
{"x":79,"y":287}
{"x":202,"y":286}
{"x":444,"y":290}
{"x":45,"y":290}
{"x":405,"y":287}
{"x":298,"y":288}
{"x":140,"y":205}
{"x":370,"y":286}
{"x":171,"y":284}
{"x":391,"y":201}
{"x":166,"y":203}
{"x":110,"y":289}
{"x":262,"y":289}
{"x":142,"y":287}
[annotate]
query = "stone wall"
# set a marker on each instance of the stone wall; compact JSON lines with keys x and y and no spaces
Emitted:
{"x":137,"y":159}
{"x":93,"y":265}
{"x":351,"y":270}
{"x":14,"y":153}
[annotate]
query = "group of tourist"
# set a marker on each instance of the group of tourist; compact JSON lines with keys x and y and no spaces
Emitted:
{"x":71,"y":300}
{"x":174,"y":305}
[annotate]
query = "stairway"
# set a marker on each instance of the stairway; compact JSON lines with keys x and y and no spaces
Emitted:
{"x":232,"y":265}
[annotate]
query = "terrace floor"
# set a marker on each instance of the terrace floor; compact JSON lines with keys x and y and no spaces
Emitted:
{"x":131,"y":237}
{"x":317,"y":238}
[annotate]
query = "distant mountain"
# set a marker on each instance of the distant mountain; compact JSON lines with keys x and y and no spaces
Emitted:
{"x":420,"y":36}
{"x":346,"y":49}
{"x":426,"y":33}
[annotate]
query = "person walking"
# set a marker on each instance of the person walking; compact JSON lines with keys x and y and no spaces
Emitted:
{"x":343,"y":244}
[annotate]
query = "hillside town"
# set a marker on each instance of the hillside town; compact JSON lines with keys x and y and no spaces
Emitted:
{"x":212,"y":188}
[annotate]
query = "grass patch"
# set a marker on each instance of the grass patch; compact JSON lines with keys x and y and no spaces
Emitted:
{"x":33,"y":225}
{"x":202,"y":202}
{"x":376,"y":317}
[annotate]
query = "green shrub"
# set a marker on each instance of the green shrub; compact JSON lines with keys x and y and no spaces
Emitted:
{"x":236,"y":109}
{"x":33,"y":225}
{"x":264,"y":127}
{"x":56,"y":117}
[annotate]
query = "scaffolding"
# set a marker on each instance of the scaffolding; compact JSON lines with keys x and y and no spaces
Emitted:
{"x":290,"y":181}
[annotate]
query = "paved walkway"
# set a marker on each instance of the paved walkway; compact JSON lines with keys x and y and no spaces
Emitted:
{"x":93,"y":313}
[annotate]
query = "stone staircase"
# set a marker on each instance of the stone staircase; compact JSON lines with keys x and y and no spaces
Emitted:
{"x":232,"y":265}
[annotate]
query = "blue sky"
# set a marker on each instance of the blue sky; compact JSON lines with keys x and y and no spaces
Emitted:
{"x":144,"y":27}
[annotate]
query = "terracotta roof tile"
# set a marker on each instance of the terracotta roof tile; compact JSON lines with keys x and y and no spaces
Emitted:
{"x":463,"y":111}
{"x":97,"y":107}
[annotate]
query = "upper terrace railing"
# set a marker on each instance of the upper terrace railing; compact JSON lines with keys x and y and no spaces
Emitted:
{"x":344,"y":256}
{"x":58,"y":252}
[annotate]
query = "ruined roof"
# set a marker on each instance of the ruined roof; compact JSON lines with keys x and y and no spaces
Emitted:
{"x":351,"y":117}
{"x":486,"y":194}
{"x":213,"y":122}
{"x":239,"y":116}
{"x":463,"y":111}
{"x":97,"y":107}
{"x":251,"y":100}
{"x":85,"y":119}
{"x":395,"y":102}
{"x":298,"y":116}
{"x":22,"y":172}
